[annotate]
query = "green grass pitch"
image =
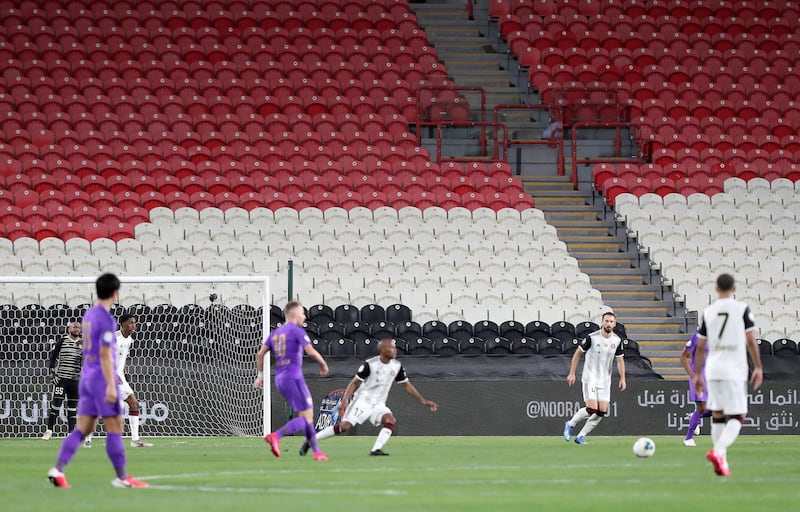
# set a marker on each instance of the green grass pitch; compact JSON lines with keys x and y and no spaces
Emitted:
{"x":422,"y":473}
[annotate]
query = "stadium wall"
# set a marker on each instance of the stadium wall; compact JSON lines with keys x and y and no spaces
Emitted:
{"x":541,"y":408}
{"x":177,"y":406}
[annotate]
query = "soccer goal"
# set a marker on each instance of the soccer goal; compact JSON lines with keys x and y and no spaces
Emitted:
{"x":191,"y":364}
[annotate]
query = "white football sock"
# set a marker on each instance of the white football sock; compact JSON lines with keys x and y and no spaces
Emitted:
{"x":579,"y":416}
{"x":134,"y":422}
{"x":325,"y":433}
{"x":716,"y":432}
{"x":729,"y":434}
{"x":383,"y":436}
{"x":592,"y":422}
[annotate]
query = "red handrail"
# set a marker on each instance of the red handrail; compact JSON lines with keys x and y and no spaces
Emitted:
{"x":495,"y":157}
{"x":553,"y":141}
{"x":597,"y":160}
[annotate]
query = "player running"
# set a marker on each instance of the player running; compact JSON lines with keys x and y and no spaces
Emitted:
{"x":369,"y":390}
{"x":287,"y":343}
{"x":601,"y":348}
{"x":99,"y":392}
{"x":127,"y":325}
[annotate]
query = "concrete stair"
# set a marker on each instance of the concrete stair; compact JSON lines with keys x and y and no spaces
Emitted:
{"x":472,"y":61}
{"x":615,"y":269}
{"x":474,"y":58}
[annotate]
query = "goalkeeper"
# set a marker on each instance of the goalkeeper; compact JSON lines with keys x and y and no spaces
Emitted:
{"x":64,"y":363}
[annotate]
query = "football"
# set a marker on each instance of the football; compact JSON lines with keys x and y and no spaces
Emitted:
{"x":644,"y":447}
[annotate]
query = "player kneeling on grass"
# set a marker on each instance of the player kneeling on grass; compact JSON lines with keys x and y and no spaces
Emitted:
{"x":369,"y":389}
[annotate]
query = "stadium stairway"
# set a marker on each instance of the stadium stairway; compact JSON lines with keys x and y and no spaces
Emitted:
{"x":473,"y":60}
{"x":617,"y":269}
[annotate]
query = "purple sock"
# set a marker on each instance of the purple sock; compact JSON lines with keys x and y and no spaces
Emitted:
{"x":68,"y":449}
{"x":291,"y":427}
{"x":311,"y":437}
{"x":116,"y":453}
{"x":693,"y":422}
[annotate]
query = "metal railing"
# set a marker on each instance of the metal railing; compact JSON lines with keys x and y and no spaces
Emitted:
{"x":617,"y":125}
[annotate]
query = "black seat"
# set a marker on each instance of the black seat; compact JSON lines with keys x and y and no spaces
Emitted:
{"x":190,"y":312}
{"x":346,"y":314}
{"x":408,"y":330}
{"x":60,"y":313}
{"x":434,"y":330}
{"x":342,"y":347}
{"x":460,"y":330}
{"x":33,"y":315}
{"x":402,"y":346}
{"x":473,"y":346}
{"x":398,"y":313}
{"x":784,"y":348}
{"x":311,"y":328}
{"x":630,"y":348}
{"x":143,"y":310}
{"x":524,"y":346}
{"x":564,"y":331}
{"x":512,"y":331}
{"x":569,"y":347}
{"x":169,"y":313}
{"x":382,"y":330}
{"x":323,"y":346}
{"x":373,"y":314}
{"x":356,"y":331}
{"x":549,"y":346}
{"x":420,"y":346}
{"x":366,"y":347}
{"x":583,"y":329}
{"x":320,"y":314}
{"x":764,"y":347}
{"x":485,"y":329}
{"x":331,"y":331}
{"x":498,"y":346}
{"x":619,"y":329}
{"x":537,"y":330}
{"x":445,"y":347}
{"x":117,"y":310}
{"x":275,"y":315}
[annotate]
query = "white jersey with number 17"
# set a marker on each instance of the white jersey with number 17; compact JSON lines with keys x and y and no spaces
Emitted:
{"x":724,"y":325}
{"x":376,"y":379}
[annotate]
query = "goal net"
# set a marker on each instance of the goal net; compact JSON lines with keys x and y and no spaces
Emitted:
{"x":191,"y":364}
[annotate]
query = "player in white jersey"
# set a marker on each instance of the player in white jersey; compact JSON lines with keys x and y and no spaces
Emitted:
{"x":127,"y":325}
{"x":368,"y":391}
{"x":729,"y":331}
{"x":602,"y":348}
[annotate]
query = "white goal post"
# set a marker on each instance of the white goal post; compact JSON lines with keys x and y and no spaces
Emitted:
{"x":192,"y":360}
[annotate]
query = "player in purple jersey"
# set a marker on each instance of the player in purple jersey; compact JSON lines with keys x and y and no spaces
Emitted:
{"x":688,"y":358}
{"x":287,"y":343}
{"x":98,"y":389}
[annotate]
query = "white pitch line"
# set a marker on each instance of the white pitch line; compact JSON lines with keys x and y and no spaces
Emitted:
{"x":274,"y":490}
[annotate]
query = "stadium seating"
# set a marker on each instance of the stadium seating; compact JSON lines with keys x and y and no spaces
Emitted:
{"x":748,"y":230}
{"x":696,"y":83}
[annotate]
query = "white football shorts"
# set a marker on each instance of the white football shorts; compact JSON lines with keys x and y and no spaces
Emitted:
{"x":360,"y":411}
{"x":125,"y":389}
{"x":592,"y":392}
{"x":728,"y":396}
